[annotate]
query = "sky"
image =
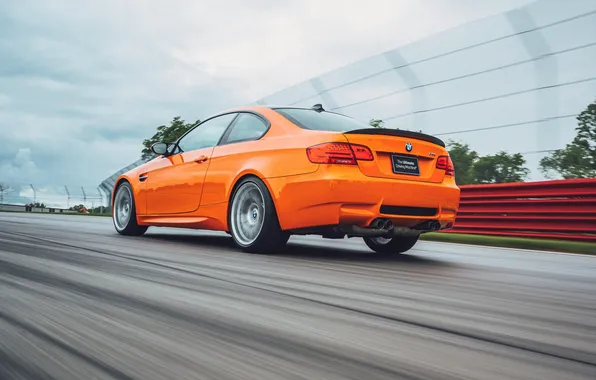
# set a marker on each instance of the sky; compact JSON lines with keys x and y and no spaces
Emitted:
{"x":82,"y":83}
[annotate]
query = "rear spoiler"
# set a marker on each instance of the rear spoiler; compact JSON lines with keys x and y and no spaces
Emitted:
{"x":397,"y":133}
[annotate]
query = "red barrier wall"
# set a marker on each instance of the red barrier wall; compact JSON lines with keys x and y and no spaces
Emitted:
{"x":564,"y":209}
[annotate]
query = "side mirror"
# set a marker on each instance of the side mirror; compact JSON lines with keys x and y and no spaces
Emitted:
{"x":159,"y":148}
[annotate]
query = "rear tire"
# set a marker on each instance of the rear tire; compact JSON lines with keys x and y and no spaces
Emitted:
{"x":394,"y":245}
{"x":253,"y":221}
{"x":124,"y":215}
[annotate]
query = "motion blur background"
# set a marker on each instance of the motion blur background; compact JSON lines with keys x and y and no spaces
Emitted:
{"x":85,"y":86}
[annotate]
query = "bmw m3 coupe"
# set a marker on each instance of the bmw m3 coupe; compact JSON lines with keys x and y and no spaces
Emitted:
{"x":264,"y":173}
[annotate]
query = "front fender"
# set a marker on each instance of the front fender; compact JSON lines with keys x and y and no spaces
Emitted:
{"x":137,"y":191}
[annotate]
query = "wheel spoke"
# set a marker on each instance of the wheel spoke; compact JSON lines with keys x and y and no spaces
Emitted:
{"x":248,"y":213}
{"x":122,"y":207}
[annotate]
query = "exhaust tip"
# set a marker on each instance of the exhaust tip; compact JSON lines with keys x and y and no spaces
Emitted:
{"x":377,"y":223}
{"x":382,"y":224}
{"x":428,"y":226}
{"x":388,"y":225}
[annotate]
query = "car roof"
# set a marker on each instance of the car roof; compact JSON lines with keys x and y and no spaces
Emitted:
{"x":258,"y":107}
{"x":269,"y":106}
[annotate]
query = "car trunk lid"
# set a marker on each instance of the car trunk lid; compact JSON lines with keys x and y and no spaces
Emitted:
{"x":403,"y":155}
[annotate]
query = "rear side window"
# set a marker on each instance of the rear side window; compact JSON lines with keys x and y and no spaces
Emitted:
{"x":246,"y":127}
{"x":321,"y":121}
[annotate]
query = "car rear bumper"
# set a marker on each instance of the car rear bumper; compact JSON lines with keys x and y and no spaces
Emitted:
{"x":347,"y":197}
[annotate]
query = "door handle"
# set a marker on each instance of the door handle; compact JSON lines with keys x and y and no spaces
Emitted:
{"x":201,"y":159}
{"x":143,"y":177}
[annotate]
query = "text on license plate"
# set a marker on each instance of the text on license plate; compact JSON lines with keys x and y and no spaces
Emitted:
{"x":405,"y":164}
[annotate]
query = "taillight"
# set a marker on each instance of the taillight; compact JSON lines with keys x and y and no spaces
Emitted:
{"x":445,"y":163}
{"x":362,"y":152}
{"x":338,"y":153}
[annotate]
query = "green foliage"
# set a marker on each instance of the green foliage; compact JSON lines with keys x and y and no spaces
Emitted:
{"x":99,"y":210}
{"x":463,"y":160}
{"x":578,"y":158}
{"x":168,"y":134}
{"x":500,"y":168}
{"x":77,"y":208}
{"x":470,"y":168}
{"x":376,"y":123}
{"x":512,"y":242}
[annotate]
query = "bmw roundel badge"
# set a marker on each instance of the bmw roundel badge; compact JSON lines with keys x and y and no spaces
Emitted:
{"x":408,"y":147}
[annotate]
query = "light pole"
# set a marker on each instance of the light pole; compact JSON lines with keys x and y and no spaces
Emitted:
{"x":68,"y":197}
{"x":4,"y":189}
{"x":34,"y":194}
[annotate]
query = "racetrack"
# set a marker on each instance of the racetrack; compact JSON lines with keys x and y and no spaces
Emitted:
{"x":78,"y":301}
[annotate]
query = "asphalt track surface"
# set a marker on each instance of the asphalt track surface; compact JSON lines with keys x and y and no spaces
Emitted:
{"x":78,"y":301}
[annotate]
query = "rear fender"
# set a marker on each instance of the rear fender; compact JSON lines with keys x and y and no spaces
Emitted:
{"x":242,"y":175}
{"x":239,"y":178}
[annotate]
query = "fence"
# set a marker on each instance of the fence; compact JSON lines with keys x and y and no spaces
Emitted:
{"x":52,"y":196}
{"x":564,"y":209}
{"x":527,"y":72}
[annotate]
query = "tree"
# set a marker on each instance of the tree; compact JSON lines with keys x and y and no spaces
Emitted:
{"x":169,"y":133}
{"x":77,"y":208}
{"x":463,"y":161}
{"x":470,"y":168}
{"x":578,"y":158}
{"x":500,"y":168}
{"x":100,"y":210}
{"x":376,"y":123}
{"x":4,"y":189}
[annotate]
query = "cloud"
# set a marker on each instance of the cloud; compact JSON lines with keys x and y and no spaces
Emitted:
{"x":21,"y":165}
{"x":82,"y":83}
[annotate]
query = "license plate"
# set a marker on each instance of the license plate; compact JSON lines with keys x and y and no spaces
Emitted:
{"x":405,"y":164}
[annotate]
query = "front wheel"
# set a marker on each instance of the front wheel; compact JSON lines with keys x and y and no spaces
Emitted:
{"x":399,"y":244}
{"x":253,"y":220}
{"x":124,"y":215}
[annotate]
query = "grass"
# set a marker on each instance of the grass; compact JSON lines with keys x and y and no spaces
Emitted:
{"x":513,"y":242}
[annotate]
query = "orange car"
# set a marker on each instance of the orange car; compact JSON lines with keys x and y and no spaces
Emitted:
{"x":265,"y":173}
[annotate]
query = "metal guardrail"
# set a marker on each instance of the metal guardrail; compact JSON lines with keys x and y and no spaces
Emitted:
{"x":563,"y":209}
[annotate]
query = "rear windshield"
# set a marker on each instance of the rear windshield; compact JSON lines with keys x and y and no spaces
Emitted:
{"x":321,"y":121}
